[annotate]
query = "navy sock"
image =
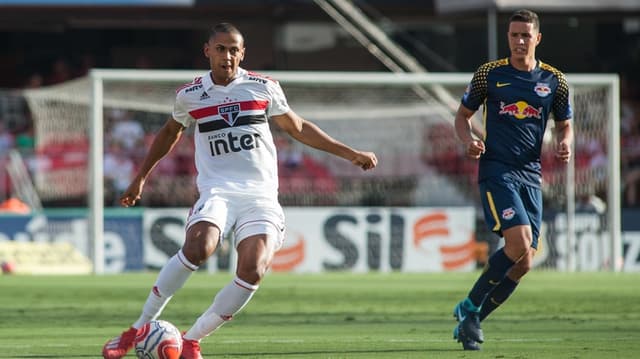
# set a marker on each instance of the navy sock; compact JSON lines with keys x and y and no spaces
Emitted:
{"x":498,"y":296}
{"x":495,"y":270}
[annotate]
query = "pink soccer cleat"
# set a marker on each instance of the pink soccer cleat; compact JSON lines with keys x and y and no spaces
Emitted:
{"x":190,"y":349}
{"x":119,"y":346}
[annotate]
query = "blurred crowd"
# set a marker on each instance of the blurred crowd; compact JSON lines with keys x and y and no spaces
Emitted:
{"x":305,"y":180}
{"x":630,"y":143}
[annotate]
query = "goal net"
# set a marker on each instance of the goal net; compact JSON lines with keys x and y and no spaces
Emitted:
{"x":99,"y":127}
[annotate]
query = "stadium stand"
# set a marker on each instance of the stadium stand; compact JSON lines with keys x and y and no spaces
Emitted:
{"x":126,"y":41}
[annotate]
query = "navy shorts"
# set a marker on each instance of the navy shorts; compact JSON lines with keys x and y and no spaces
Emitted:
{"x":508,"y":202}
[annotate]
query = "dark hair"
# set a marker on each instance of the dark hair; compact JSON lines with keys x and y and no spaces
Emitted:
{"x":226,"y":28}
{"x":527,"y":16}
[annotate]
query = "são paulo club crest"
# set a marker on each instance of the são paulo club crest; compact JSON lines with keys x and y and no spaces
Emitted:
{"x":229,"y":113}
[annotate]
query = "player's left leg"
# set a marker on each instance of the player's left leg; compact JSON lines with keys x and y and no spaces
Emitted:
{"x":532,"y":200}
{"x":507,"y":286}
{"x":463,"y":338}
{"x":515,"y":250}
{"x":255,"y":254}
{"x":505,"y":202}
{"x":253,"y":260}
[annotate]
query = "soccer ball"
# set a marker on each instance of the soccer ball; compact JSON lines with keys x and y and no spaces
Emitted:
{"x":158,"y":339}
{"x":7,"y":267}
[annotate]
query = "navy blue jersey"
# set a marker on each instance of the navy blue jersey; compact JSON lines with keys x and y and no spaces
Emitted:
{"x":516,"y":107}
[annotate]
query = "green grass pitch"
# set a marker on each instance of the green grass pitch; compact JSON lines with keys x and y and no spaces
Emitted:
{"x":338,"y":315}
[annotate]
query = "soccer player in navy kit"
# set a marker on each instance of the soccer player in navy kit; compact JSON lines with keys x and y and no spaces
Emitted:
{"x":518,"y":94}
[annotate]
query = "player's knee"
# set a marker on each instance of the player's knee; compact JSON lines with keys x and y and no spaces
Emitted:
{"x":252,"y":273}
{"x":521,"y":268}
{"x":253,"y":268}
{"x":197,"y":250}
{"x":517,"y":242}
{"x":255,"y":254}
{"x":201,"y":242}
{"x":516,"y":251}
{"x":196,"y":254}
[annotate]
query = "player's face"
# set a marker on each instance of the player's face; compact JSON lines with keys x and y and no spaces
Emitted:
{"x":523,"y":39}
{"x":224,"y":51}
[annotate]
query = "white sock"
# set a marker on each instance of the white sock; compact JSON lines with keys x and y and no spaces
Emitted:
{"x":229,"y":301}
{"x":171,"y":278}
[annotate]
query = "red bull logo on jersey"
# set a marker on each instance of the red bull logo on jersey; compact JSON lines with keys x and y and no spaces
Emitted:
{"x":508,"y":213}
{"x":520,"y":110}
{"x":542,"y":89}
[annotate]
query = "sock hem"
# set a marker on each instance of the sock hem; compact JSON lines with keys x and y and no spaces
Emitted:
{"x":242,"y":284}
{"x":185,"y":262}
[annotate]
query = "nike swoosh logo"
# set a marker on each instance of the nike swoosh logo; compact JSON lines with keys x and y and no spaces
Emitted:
{"x":502,"y":84}
{"x":493,"y":282}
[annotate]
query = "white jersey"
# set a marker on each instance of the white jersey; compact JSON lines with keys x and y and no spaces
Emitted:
{"x":234,"y":148}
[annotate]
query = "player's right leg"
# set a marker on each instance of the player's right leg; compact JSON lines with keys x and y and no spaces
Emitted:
{"x":119,"y":346}
{"x":171,"y":278}
{"x":201,"y":240}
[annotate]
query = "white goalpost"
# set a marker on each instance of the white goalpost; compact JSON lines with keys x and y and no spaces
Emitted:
{"x":419,"y":155}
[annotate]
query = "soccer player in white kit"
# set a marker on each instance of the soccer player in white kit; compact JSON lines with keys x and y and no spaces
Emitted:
{"x":237,"y":180}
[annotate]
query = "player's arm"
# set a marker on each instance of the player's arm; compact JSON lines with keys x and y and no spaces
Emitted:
{"x":163,"y":143}
{"x":561,"y":108}
{"x":564,"y":140}
{"x":464,"y":130}
{"x":311,"y":135}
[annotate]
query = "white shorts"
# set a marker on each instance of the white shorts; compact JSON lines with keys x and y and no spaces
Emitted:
{"x":240,"y":215}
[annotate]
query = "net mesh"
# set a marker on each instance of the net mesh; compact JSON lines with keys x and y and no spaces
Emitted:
{"x":390,"y":121}
{"x":421,"y":161}
{"x":590,"y":104}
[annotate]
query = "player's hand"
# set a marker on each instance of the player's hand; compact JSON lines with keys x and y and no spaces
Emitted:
{"x":475,"y":149}
{"x":365,"y":160}
{"x":133,"y":192}
{"x":563,"y":151}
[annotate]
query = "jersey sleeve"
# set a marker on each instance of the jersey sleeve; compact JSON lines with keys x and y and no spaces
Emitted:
{"x":180,"y":114}
{"x":278,"y":104}
{"x":476,"y":91}
{"x":561,"y":107}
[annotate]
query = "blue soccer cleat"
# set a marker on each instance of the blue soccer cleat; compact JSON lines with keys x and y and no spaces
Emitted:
{"x":470,"y":325}
{"x":459,"y":312}
{"x":468,"y":331}
{"x":467,"y":343}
